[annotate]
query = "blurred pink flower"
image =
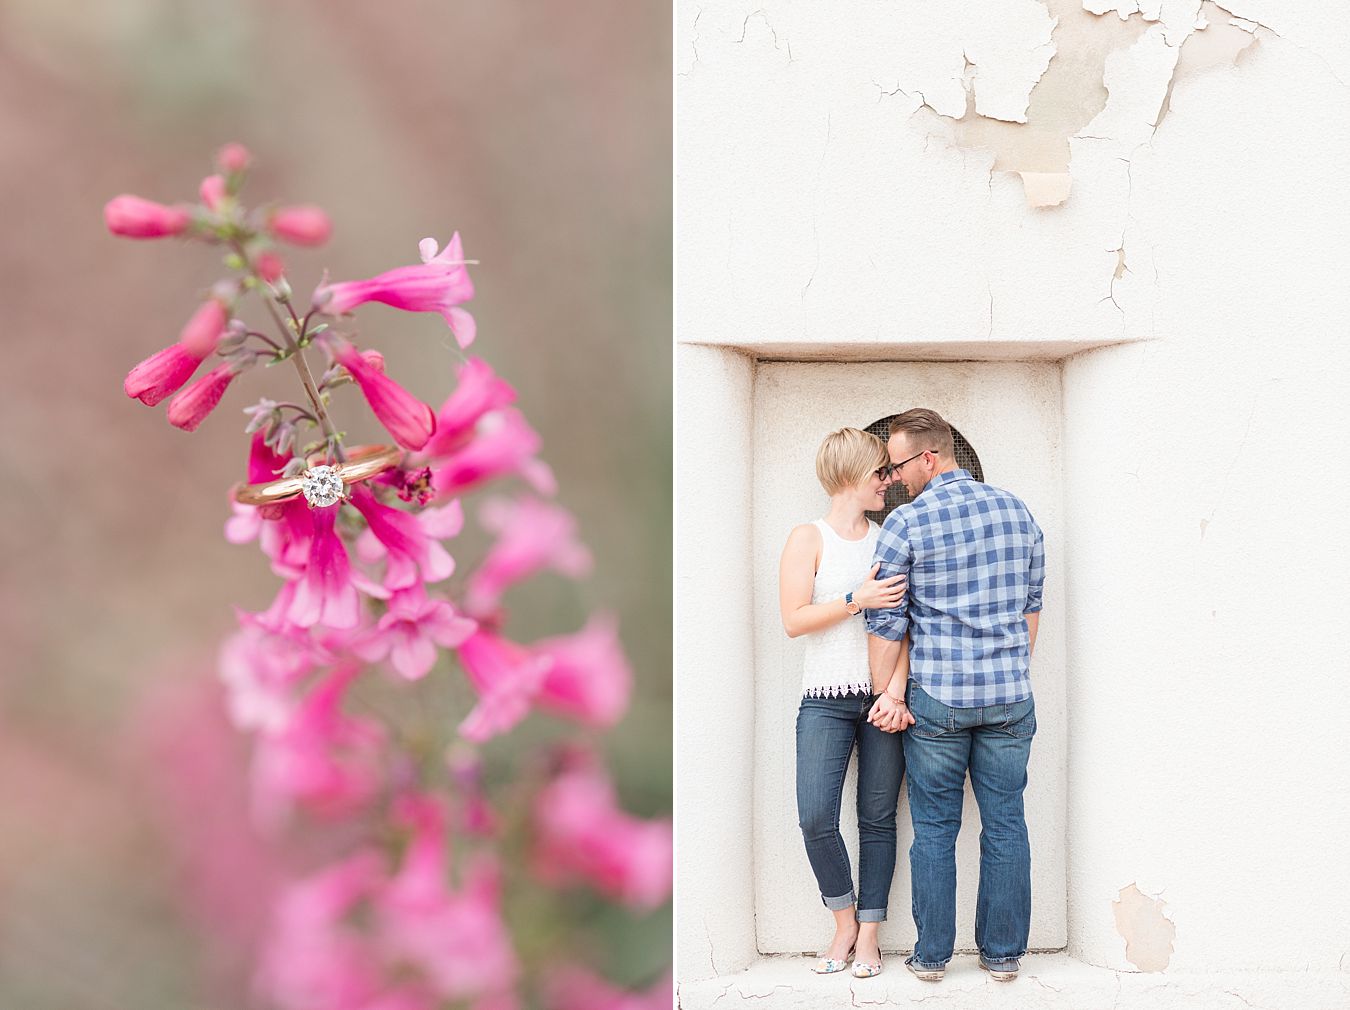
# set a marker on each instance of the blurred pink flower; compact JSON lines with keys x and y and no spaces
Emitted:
{"x":503,"y":444}
{"x":574,"y":988}
{"x":478,"y":392}
{"x":581,"y":833}
{"x":134,"y":217}
{"x":213,"y":192}
{"x":411,"y":629}
{"x":234,"y":158}
{"x":440,"y":284}
{"x":260,"y":668}
{"x":506,"y":676}
{"x":531,"y":535}
{"x":161,"y":374}
{"x":270,"y":266}
{"x":190,"y":408}
{"x":314,"y":957}
{"x":321,"y":758}
{"x":301,"y":225}
{"x":203,"y":331}
{"x":406,"y":418}
{"x":413,"y":556}
{"x":588,"y":676}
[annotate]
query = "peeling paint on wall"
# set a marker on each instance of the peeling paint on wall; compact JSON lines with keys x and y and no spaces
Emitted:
{"x":1148,"y":933}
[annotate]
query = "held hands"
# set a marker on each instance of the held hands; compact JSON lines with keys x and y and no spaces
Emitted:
{"x":889,"y":715}
{"x":881,"y":594}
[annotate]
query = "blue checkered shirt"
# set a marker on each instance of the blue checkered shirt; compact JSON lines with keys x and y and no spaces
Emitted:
{"x":976,"y":563}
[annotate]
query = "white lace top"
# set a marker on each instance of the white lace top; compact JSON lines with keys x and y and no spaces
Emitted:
{"x":835,"y":660}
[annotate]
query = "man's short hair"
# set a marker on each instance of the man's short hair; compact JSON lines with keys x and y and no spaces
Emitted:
{"x":926,"y":430}
{"x":847,"y":456}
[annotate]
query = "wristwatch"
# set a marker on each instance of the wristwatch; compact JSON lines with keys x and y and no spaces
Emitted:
{"x":850,"y":606}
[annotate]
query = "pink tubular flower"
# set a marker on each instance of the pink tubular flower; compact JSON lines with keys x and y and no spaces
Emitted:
{"x":506,"y":676}
{"x":134,"y":217}
{"x":259,"y":669}
{"x":302,"y":225}
{"x":456,"y":938}
{"x":213,"y":192}
{"x":203,"y":331}
{"x":588,"y":676}
{"x":478,"y":392}
{"x":322,"y":758}
{"x":503,"y":443}
{"x":582,"y":833}
{"x":573,"y":988}
{"x":413,"y":556}
{"x":440,"y":284}
{"x":531,"y":535}
{"x":270,"y":266}
{"x":406,"y":418}
{"x":161,"y":374}
{"x":190,"y":407}
{"x":411,"y":629}
{"x":325,"y":594}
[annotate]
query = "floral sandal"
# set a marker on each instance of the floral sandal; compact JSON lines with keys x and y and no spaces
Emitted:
{"x":830,"y":965}
{"x":861,"y":969}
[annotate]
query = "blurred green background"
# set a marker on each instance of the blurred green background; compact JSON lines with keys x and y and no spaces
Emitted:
{"x":541,"y":132}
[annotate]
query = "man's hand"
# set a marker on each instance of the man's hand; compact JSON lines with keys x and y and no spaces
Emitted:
{"x":889,"y":715}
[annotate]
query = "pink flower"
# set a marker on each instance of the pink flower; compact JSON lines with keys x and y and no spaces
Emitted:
{"x":213,"y":192}
{"x":440,"y":284}
{"x":259,"y":669}
{"x":504,"y":443}
{"x":161,"y":374}
{"x":411,"y":629}
{"x":531,"y":535}
{"x":406,"y":418}
{"x":326,"y":594}
{"x":506,"y":676}
{"x":203,"y":331}
{"x":412,"y":555}
{"x":322,"y":758}
{"x":270,"y":266}
{"x":302,"y":225}
{"x":456,"y":938}
{"x":314,"y":958}
{"x":134,"y":217}
{"x":582,"y":833}
{"x":478,"y":392}
{"x":190,"y":408}
{"x":588,"y":676}
{"x":574,"y":988}
{"x":234,"y":158}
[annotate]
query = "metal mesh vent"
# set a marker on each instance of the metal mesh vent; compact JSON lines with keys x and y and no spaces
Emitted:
{"x":896,"y":495}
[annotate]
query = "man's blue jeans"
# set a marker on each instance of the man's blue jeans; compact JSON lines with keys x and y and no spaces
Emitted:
{"x":993,"y":744}
{"x":827,"y":729}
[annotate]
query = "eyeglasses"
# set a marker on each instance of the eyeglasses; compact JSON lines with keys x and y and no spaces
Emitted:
{"x":894,"y":468}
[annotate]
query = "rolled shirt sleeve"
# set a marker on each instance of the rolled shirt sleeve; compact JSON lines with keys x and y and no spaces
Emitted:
{"x":1036,"y":575}
{"x":895,"y":556}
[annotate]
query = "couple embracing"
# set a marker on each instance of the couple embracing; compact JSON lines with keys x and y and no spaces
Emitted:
{"x":918,"y":639}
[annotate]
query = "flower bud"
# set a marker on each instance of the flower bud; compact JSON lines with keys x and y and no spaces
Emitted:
{"x":203,"y":331}
{"x":281,"y":290}
{"x":301,"y":225}
{"x":234,"y":158}
{"x":212,"y":192}
{"x":270,"y":266}
{"x":191,"y":406}
{"x":134,"y":217}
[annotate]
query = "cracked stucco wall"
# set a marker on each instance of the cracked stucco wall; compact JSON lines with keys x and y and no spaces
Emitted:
{"x":850,"y":175}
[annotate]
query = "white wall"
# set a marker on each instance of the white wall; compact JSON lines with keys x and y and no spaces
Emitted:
{"x":824,"y":205}
{"x":1010,"y":413}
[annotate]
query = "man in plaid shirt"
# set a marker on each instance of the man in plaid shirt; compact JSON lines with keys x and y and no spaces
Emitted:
{"x":955,"y":658}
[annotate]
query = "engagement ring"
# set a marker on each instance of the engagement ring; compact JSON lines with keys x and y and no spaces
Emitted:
{"x":323,"y":484}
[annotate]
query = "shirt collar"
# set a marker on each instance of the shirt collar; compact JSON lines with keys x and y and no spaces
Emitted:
{"x":950,"y":477}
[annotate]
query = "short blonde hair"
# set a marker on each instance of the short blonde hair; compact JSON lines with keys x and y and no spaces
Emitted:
{"x":847,"y":456}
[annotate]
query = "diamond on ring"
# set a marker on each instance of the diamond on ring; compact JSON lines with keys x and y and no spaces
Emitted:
{"x":321,"y":486}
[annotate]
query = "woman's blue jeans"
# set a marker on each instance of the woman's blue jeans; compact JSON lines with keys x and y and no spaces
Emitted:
{"x":827,"y":730}
{"x":993,"y":743}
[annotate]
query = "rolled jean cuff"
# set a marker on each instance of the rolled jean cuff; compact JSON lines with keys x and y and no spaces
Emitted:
{"x":871,"y":915}
{"x":999,"y":963}
{"x":838,"y":904}
{"x":914,"y":960}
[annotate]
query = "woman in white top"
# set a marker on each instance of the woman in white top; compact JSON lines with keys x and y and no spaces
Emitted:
{"x":826,"y":580}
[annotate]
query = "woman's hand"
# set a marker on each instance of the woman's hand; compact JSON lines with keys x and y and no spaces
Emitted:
{"x":880,"y":594}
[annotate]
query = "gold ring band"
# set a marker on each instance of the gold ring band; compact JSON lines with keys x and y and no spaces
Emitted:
{"x":362,"y":461}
